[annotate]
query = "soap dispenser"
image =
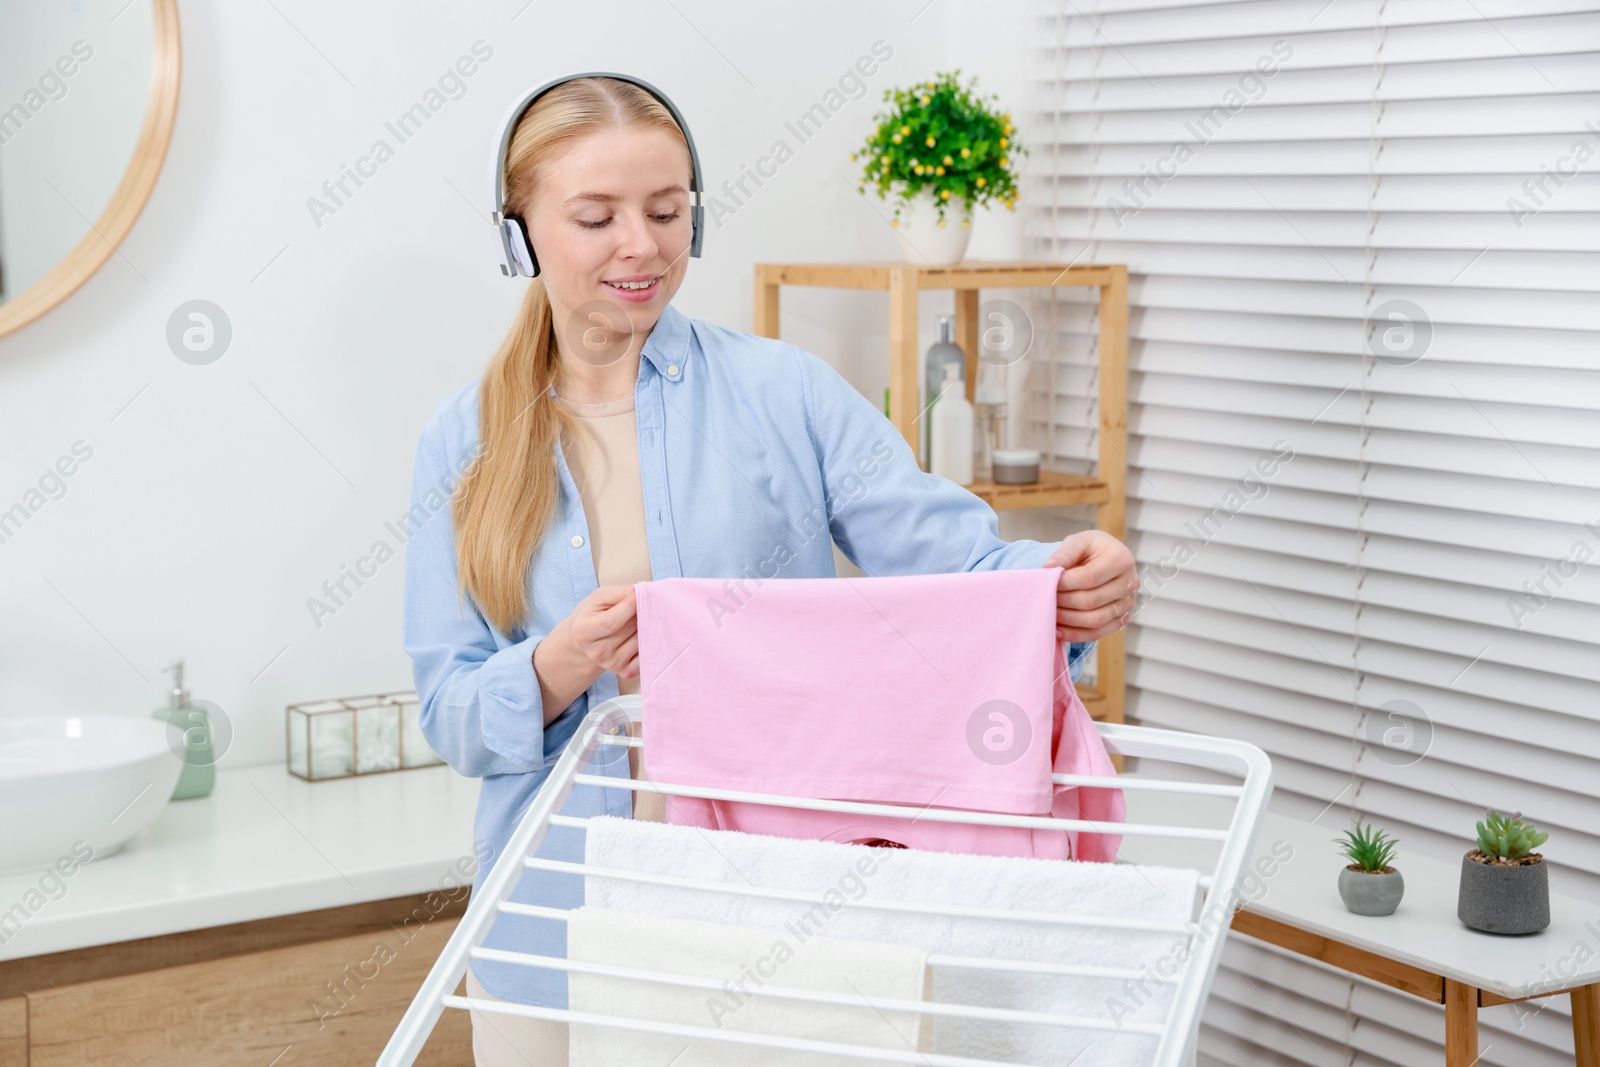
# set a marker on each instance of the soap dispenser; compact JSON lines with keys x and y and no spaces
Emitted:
{"x":189,"y":732}
{"x":951,"y":431}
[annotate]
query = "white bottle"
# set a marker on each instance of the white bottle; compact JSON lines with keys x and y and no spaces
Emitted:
{"x":951,"y":430}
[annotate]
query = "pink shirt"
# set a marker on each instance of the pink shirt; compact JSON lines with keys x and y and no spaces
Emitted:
{"x":929,"y":690}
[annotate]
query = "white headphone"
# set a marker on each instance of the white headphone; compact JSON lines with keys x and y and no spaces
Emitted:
{"x":516,"y":252}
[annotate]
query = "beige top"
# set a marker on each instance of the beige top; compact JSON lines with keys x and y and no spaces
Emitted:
{"x":607,"y":476}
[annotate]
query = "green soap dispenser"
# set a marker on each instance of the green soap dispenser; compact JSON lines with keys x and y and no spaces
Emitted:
{"x":190,"y":735}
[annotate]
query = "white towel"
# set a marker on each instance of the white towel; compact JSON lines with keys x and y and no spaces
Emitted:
{"x":742,"y":960}
{"x":838,"y":872}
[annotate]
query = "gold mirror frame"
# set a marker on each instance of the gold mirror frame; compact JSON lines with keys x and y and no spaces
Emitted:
{"x":131,"y":194}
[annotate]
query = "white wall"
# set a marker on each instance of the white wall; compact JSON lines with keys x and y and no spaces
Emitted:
{"x":219,"y":498}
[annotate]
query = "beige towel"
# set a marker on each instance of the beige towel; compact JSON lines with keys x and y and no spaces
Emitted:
{"x":735,"y":957}
{"x":512,"y":1040}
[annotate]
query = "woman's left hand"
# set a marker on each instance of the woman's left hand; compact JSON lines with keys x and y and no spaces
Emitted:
{"x":1095,"y":596}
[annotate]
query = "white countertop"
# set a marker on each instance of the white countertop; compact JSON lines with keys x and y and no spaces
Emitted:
{"x":1424,"y":930}
{"x":263,"y":844}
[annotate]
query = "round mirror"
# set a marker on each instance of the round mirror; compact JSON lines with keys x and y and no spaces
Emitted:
{"x":88,"y":93}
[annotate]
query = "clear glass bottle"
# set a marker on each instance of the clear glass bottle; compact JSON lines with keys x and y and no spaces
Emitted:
{"x":989,"y":414}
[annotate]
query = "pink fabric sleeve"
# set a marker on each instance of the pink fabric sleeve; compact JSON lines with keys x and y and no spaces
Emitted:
{"x":1079,"y":750}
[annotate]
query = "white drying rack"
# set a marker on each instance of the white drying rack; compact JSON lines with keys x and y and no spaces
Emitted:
{"x":604,"y":726}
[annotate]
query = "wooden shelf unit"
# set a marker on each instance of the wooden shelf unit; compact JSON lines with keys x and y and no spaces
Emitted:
{"x":1053,"y":490}
{"x":1105,"y":490}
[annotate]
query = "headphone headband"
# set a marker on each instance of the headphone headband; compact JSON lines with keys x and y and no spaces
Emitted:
{"x":516,"y":251}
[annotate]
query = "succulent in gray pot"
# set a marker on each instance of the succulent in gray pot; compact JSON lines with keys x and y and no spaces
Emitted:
{"x":1369,"y":885}
{"x":1505,"y":884}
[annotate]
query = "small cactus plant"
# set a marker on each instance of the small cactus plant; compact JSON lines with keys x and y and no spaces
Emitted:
{"x":1508,"y":838}
{"x":1368,"y":849}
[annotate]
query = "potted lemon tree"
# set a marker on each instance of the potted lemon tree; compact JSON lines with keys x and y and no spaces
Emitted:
{"x":1505,"y":887}
{"x":940,"y":151}
{"x":1369,"y":884}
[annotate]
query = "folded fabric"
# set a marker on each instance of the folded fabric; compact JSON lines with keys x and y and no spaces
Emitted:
{"x":928,"y":691}
{"x":835,"y":876}
{"x":743,"y":960}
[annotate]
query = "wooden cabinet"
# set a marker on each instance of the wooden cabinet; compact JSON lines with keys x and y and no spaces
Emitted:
{"x":306,"y":991}
{"x":14,"y":1032}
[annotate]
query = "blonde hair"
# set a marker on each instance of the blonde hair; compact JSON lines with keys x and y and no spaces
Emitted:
{"x":510,"y":491}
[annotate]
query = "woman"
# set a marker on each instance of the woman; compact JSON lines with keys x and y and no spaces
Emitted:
{"x":613,"y":440}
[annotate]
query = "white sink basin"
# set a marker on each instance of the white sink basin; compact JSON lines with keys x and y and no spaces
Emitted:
{"x":79,"y":786}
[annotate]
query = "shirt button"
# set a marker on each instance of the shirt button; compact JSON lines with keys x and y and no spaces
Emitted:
{"x":577,"y":541}
{"x":672,"y":370}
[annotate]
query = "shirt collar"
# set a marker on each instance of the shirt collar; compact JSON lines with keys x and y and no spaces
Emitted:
{"x":668,"y":344}
{"x":667,"y":347}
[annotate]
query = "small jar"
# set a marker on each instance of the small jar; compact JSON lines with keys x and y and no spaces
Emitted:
{"x":1016,"y":466}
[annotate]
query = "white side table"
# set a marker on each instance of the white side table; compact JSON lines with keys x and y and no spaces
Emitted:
{"x":1423,"y":948}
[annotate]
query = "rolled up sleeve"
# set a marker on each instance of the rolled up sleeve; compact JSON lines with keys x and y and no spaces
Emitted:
{"x":482,"y":710}
{"x":888,"y":515}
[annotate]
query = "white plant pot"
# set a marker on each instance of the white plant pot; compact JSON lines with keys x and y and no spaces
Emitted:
{"x":923,"y":240}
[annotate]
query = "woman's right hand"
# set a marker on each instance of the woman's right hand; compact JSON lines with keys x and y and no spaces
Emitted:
{"x":598,"y":636}
{"x":603,"y":628}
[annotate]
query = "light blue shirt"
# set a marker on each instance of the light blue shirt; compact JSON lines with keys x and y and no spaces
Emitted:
{"x":753,"y":453}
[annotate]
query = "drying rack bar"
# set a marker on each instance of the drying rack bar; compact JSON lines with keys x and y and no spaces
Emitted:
{"x":799,"y":1044}
{"x":900,"y":811}
{"x":923,"y":1007}
{"x":935,"y":959}
{"x":580,"y":822}
{"x":769,"y":893}
{"x":1149,"y":785}
{"x":1153,"y":785}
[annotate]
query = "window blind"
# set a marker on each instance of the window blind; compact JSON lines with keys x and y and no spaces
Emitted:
{"x":1368,"y":233}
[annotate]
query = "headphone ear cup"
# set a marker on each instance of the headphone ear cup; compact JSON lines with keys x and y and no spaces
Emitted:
{"x":519,"y":249}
